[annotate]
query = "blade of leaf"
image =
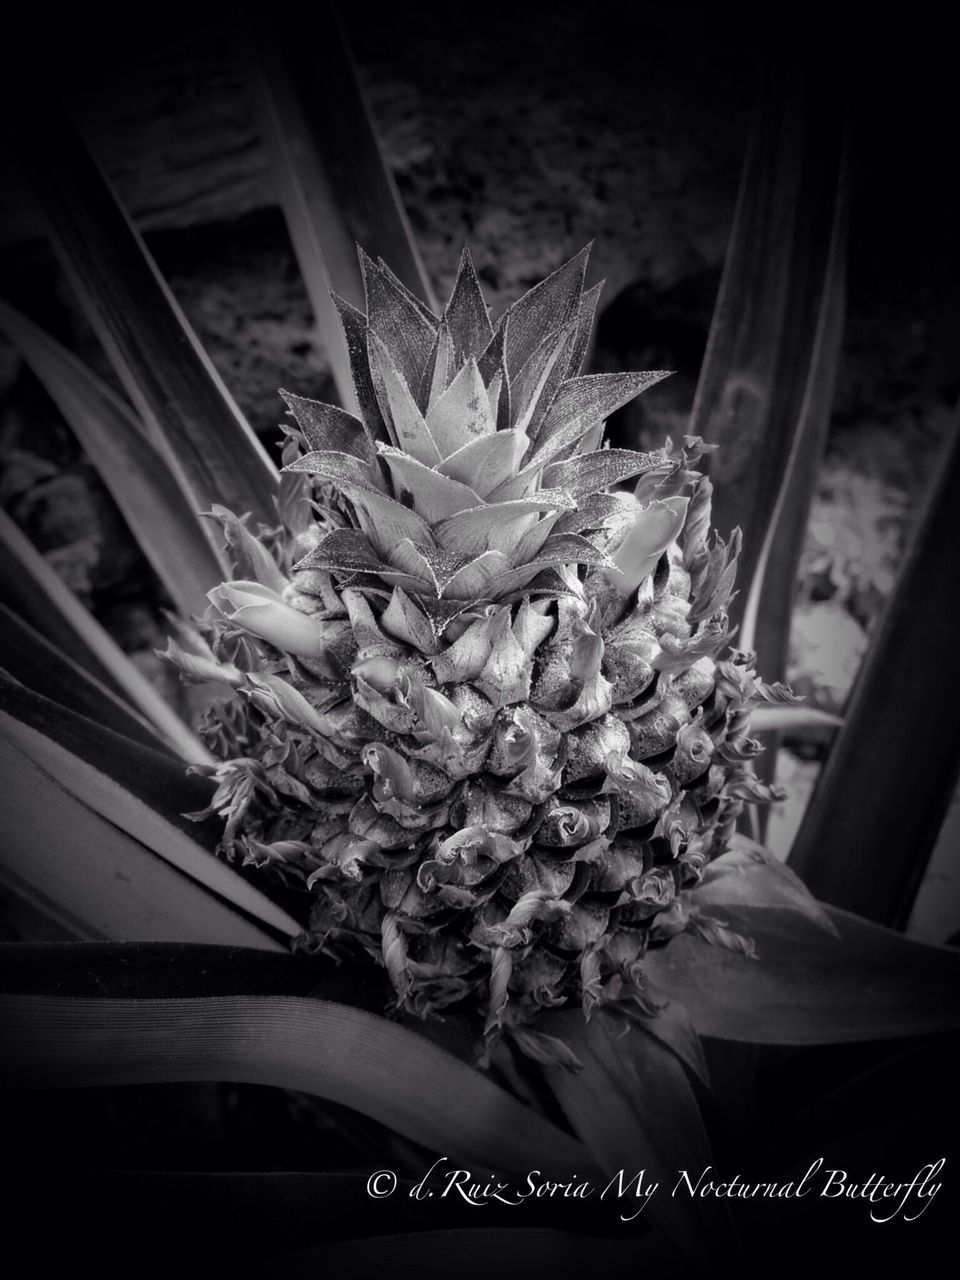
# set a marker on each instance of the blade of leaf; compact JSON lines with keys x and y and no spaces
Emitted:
{"x":876,"y":812}
{"x":136,"y":819}
{"x":766,"y":383}
{"x":808,"y":987}
{"x":407,"y":328}
{"x":352,"y":1057}
{"x":333,"y":183}
{"x":546,"y":307}
{"x":434,"y":495}
{"x":157,"y":778}
{"x":466,"y":313}
{"x":31,"y":659}
{"x":328,"y":428}
{"x":94,"y":878}
{"x":673,"y":1026}
{"x":748,"y":875}
{"x":593,"y":398}
{"x":486,"y":463}
{"x":171,"y":382}
{"x":408,"y":422}
{"x":591,"y":472}
{"x":634,"y":1107}
{"x":32,"y":588}
{"x":462,"y":413}
{"x":769,"y":600}
{"x":168,"y":531}
{"x":149,"y":970}
{"x":587,"y":312}
{"x":791,"y":719}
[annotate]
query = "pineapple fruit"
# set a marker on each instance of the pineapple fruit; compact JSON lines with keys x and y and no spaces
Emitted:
{"x":481,"y":714}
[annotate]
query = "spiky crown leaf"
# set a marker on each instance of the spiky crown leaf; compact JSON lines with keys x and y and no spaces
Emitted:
{"x":471,"y":475}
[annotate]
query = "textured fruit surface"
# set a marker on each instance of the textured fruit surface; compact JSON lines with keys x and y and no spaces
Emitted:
{"x":485,"y":712}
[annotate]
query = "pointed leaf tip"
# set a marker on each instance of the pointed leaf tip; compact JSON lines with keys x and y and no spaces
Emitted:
{"x":546,"y":307}
{"x":466,"y":313}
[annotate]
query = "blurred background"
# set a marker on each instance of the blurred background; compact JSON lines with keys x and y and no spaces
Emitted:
{"x":525,"y":130}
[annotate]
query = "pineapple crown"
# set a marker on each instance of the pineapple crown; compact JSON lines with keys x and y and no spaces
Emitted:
{"x":474,"y":472}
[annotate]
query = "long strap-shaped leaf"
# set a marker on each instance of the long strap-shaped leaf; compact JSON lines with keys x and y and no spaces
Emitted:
{"x":164,"y":524}
{"x":131,"y":815}
{"x":880,"y":800}
{"x":331,"y":176}
{"x":347,"y":1055}
{"x":169,"y":970}
{"x":633,"y":1106}
{"x":31,"y":659}
{"x":33,"y":589}
{"x":769,"y":600}
{"x":807,"y":986}
{"x":170,"y":380}
{"x":94,"y":878}
{"x":155,"y":777}
{"x":766,"y":384}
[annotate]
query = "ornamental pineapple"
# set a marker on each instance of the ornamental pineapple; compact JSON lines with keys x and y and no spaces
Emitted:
{"x":481,"y":716}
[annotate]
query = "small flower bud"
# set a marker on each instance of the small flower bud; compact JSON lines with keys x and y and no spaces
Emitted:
{"x":260,"y":611}
{"x":277,"y":697}
{"x":654,"y":527}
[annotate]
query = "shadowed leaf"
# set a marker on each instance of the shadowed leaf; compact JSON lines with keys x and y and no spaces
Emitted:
{"x":31,"y":659}
{"x":634,"y":1107}
{"x":32,"y":588}
{"x":156,"y":777}
{"x":346,"y":550}
{"x":97,"y":880}
{"x":166,"y":527}
{"x":357,"y":338}
{"x":748,"y":875}
{"x":107,"y":798}
{"x":398,"y":321}
{"x":537,"y":384}
{"x":673,"y":1025}
{"x":766,"y":384}
{"x":327,"y":428}
{"x":331,"y":179}
{"x":191,"y":418}
{"x":880,"y":800}
{"x":586,"y":314}
{"x":347,"y":1055}
{"x":807,"y":987}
